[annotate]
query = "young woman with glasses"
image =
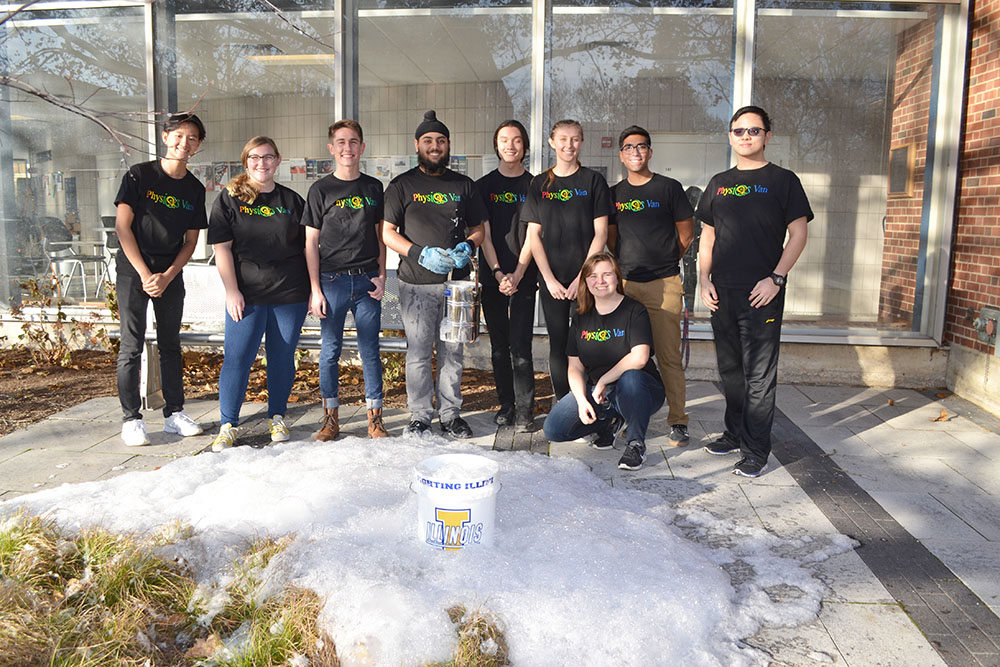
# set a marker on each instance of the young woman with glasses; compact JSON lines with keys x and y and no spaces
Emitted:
{"x":259,"y":251}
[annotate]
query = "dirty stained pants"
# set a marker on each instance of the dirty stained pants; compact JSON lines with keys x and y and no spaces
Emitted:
{"x":421,"y":307}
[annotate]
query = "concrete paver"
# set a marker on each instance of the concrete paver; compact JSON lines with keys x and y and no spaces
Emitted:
{"x":929,"y":484}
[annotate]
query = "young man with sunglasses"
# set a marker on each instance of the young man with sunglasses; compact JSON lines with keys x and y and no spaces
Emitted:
{"x":650,"y":229}
{"x":744,"y":262}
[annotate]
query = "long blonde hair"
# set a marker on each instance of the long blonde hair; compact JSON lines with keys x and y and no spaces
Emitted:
{"x":551,"y":176}
{"x":243,"y":187}
{"x":584,"y":299}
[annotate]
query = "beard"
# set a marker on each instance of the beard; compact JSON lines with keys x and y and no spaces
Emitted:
{"x":432,"y":166}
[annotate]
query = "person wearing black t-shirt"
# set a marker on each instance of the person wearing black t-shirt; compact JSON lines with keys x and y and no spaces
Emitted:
{"x":567,"y":215}
{"x":612,"y":376}
{"x":744,"y":263}
{"x":434,"y":219}
{"x":160,"y":211}
{"x":258,"y":244}
{"x":346,"y":256}
{"x":651,"y":228}
{"x":509,"y":281}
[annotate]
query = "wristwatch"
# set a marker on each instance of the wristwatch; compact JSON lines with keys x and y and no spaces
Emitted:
{"x":497,"y":269}
{"x":778,"y":279}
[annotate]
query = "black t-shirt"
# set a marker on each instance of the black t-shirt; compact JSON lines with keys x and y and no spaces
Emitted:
{"x":347,"y":214}
{"x":433,"y":211}
{"x":268,"y":244}
{"x":750,"y":210}
{"x":165,"y":209}
{"x":504,"y":197}
{"x":566,"y":209}
{"x":601,"y":341}
{"x":647,"y":217}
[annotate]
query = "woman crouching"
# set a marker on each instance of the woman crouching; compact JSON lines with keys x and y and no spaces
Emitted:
{"x":612,"y":377}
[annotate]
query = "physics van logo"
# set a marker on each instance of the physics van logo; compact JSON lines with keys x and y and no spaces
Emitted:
{"x":635,"y":205}
{"x":265,"y":211}
{"x":563,"y":195}
{"x":169,"y":201}
{"x":601,"y":335}
{"x":356,"y":202}
{"x":740,"y":190}
{"x":452,"y":529}
{"x":506,"y":198}
{"x":439,"y":198}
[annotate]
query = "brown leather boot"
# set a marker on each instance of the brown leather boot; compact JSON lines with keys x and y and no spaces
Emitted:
{"x":376,"y":429}
{"x":330,"y":426}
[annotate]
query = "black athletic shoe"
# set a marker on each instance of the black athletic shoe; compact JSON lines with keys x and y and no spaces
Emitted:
{"x":606,"y":438}
{"x":417,"y":428}
{"x":524,"y":423}
{"x":679,"y":435}
{"x":634,"y":456}
{"x":749,"y":467}
{"x":504,"y":416}
{"x":721,"y":447}
{"x":457,"y":428}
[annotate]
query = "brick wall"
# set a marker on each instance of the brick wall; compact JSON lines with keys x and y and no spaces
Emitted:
{"x":975,"y":262}
{"x":910,"y":104}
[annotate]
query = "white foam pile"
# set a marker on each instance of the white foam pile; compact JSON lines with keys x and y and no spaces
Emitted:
{"x":581,"y":573}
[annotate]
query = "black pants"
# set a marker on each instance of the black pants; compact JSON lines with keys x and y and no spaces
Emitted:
{"x":557,"y":312}
{"x":510,"y":320}
{"x":167,"y":309}
{"x":747,"y":341}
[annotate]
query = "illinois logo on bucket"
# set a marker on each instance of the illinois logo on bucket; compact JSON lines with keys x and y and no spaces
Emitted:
{"x":456,"y":501}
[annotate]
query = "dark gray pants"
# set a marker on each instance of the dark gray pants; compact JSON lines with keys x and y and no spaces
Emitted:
{"x":421,"y":307}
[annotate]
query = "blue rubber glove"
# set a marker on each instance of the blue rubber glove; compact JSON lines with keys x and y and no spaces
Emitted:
{"x":461,"y":254}
{"x":437,"y":260}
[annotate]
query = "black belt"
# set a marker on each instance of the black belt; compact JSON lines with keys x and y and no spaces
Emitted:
{"x":361,"y":270}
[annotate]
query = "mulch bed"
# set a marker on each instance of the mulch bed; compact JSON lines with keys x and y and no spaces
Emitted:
{"x":29,"y":391}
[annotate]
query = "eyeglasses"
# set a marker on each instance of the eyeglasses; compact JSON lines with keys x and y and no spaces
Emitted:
{"x":631,"y":148}
{"x":266,"y":159}
{"x":752,"y":131}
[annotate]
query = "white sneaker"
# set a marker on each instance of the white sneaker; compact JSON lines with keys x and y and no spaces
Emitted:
{"x":279,"y":432}
{"x":182,"y":424}
{"x":225,"y":439}
{"x":134,"y":433}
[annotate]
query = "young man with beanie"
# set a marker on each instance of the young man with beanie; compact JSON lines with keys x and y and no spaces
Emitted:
{"x":652,"y":222}
{"x":744,"y":262}
{"x":434,"y":219}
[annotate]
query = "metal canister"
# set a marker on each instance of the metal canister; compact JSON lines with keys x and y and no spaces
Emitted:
{"x":460,"y":319}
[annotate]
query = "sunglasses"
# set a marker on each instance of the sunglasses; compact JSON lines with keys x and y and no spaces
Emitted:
{"x":752,"y":131}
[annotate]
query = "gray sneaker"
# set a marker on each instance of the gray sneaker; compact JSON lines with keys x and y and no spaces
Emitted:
{"x":679,"y":435}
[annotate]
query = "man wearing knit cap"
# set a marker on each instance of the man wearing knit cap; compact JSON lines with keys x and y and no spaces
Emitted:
{"x":434,"y":219}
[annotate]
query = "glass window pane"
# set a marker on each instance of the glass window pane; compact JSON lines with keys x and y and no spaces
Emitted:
{"x":64,"y":168}
{"x":839,"y":101}
{"x":669,"y":72}
{"x":473,"y":68}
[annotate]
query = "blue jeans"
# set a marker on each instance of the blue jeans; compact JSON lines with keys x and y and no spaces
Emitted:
{"x":283,"y":324}
{"x":345,"y":292}
{"x":635,"y":397}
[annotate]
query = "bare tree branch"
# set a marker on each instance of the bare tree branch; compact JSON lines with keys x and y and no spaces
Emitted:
{"x":296,"y":28}
{"x":122,"y":138}
{"x":17,"y":11}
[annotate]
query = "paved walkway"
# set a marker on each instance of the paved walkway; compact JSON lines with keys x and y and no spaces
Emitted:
{"x":918,"y":490}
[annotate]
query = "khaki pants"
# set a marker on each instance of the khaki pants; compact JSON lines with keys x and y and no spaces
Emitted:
{"x":664,"y":300}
